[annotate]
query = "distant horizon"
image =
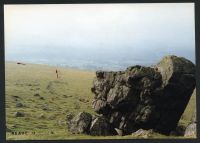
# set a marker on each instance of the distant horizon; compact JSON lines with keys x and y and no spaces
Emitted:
{"x":99,"y":36}
{"x":63,"y":65}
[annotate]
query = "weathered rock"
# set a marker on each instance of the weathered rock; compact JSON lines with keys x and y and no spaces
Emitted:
{"x":143,"y":133}
{"x":145,"y":97}
{"x":100,"y":127}
{"x":119,"y":132}
{"x":80,"y":123}
{"x":178,"y":82}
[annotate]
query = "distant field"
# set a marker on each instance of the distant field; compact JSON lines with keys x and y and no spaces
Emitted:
{"x":45,"y":114}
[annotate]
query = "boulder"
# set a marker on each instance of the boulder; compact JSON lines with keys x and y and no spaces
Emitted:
{"x":191,"y":130}
{"x":100,"y":127}
{"x":178,"y":83}
{"x":145,"y":97}
{"x":80,"y":123}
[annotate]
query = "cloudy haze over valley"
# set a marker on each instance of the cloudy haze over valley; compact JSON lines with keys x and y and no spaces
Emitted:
{"x":103,"y":36}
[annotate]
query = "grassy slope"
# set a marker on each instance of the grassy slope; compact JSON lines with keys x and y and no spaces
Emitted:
{"x":25,"y":81}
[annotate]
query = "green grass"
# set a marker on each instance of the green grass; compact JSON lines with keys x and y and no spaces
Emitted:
{"x":25,"y":81}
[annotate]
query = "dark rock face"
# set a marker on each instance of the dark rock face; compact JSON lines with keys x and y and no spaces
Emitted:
{"x":145,"y":97}
{"x":100,"y":127}
{"x":179,"y":131}
{"x":80,"y":123}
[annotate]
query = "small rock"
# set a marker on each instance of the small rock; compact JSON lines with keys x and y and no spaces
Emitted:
{"x":66,"y":96}
{"x":41,"y":98}
{"x":41,"y":116}
{"x":69,"y":116}
{"x":36,"y":95}
{"x":52,"y":117}
{"x":191,"y":130}
{"x":119,"y":132}
{"x":81,"y":99}
{"x":18,"y":105}
{"x":14,"y":96}
{"x":143,"y":133}
{"x":19,"y":114}
{"x":80,"y":123}
{"x":45,"y":108}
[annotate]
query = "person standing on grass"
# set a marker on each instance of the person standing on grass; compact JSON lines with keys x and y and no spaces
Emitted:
{"x":57,"y":73}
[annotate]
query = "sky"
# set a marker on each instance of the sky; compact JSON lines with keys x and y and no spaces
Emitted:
{"x":99,"y":32}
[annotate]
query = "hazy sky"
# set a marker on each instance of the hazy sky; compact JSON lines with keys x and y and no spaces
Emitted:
{"x":94,"y":31}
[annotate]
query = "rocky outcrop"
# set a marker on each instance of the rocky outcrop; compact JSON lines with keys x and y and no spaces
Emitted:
{"x":139,"y":100}
{"x":145,"y":97}
{"x":80,"y":123}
